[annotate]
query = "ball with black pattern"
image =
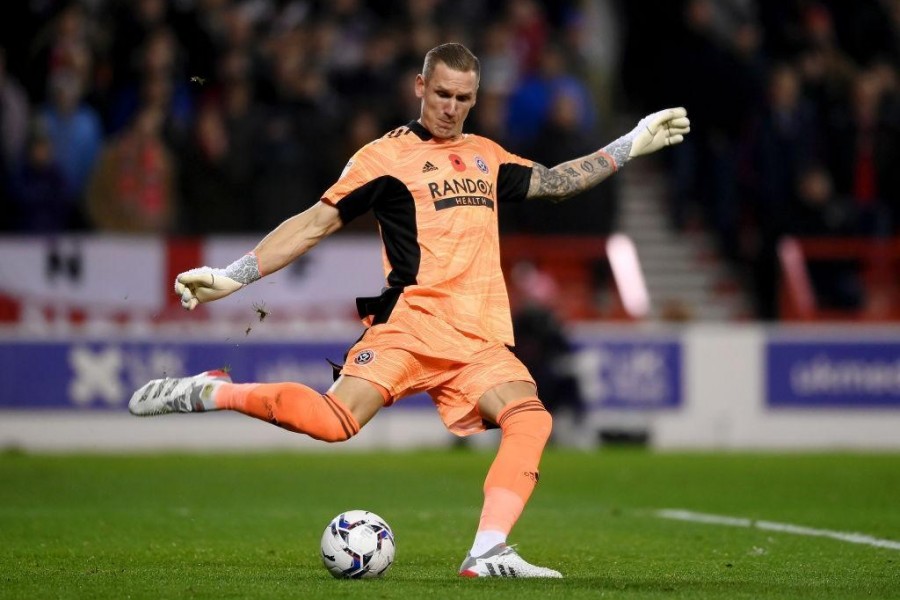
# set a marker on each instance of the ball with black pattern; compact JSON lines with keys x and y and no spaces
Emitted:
{"x":357,"y":544}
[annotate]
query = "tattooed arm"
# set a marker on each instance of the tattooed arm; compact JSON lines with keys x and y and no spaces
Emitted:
{"x":664,"y":128}
{"x":570,"y":178}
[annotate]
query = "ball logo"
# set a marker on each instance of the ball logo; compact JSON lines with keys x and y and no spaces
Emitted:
{"x":482,"y":166}
{"x":364,"y":357}
{"x":457,"y":162}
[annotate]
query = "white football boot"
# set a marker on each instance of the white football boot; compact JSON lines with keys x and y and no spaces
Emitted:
{"x":176,"y":394}
{"x":502,"y":561}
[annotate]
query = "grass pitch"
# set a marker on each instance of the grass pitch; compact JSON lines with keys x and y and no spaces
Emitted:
{"x":248,"y":526}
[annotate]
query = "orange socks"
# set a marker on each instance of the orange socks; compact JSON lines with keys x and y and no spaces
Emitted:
{"x":291,"y":406}
{"x":526,"y":427}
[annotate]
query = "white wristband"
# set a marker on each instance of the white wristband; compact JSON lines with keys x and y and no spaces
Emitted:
{"x":244,"y":270}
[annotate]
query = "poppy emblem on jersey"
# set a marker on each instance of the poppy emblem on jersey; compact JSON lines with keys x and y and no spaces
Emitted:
{"x":457,"y":162}
{"x":364,"y":357}
{"x":482,"y":166}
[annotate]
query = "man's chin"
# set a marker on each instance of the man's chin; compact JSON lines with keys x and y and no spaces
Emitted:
{"x":445,"y":133}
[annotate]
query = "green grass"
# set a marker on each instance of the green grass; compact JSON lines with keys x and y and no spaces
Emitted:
{"x":248,"y":526}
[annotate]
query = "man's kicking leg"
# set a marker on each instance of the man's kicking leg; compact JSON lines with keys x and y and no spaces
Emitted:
{"x":334,"y":416}
{"x":525,"y":425}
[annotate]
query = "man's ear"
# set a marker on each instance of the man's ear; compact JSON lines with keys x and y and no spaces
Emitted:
{"x":420,"y":86}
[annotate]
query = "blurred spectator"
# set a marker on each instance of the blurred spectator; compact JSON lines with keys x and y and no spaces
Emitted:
{"x":819,"y":212}
{"x":404,"y":103}
{"x":216,"y":177}
{"x":74,"y":129}
{"x":41,"y":202}
{"x":530,"y":31}
{"x":531,"y":101}
{"x":863,"y":28}
{"x":297,"y":145}
{"x":69,"y":42}
{"x":490,"y":117}
{"x":133,"y":185}
{"x":422,"y":38}
{"x":14,"y":115}
{"x":499,"y":66}
{"x":132,"y":25}
{"x":783,"y":140}
{"x":372,"y":82}
{"x":160,"y":80}
{"x":827,"y":72}
{"x":706,"y":166}
{"x":592,"y":39}
{"x":207,"y":28}
{"x":219,"y":166}
{"x":864,"y":151}
{"x":349,"y":25}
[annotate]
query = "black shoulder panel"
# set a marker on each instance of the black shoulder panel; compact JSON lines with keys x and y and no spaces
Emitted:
{"x":512,"y":182}
{"x":361,"y":199}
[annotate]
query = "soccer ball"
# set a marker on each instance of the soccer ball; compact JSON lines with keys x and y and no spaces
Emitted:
{"x":357,"y":544}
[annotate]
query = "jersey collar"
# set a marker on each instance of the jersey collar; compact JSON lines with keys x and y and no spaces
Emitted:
{"x":419,"y":129}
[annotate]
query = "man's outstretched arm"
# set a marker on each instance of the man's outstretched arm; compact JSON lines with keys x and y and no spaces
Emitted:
{"x":658,"y":130}
{"x":293,"y":238}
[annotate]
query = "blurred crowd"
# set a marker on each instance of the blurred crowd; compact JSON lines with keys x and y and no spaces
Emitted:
{"x":225,"y":116}
{"x":222,"y":116}
{"x":795,"y":115}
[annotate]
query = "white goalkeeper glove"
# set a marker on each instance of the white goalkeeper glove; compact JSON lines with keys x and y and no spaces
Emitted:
{"x":206,"y":284}
{"x":664,"y":128}
{"x":658,"y":130}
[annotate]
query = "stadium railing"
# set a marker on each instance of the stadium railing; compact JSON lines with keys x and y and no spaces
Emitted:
{"x":874,"y":263}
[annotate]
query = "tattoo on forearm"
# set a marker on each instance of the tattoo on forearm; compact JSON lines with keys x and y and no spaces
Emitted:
{"x":570,"y":178}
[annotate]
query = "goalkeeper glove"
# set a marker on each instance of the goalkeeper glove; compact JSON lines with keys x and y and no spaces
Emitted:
{"x":664,"y":128}
{"x":205,"y":284}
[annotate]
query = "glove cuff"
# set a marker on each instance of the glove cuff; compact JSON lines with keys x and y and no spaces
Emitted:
{"x":244,"y":270}
{"x":619,"y":150}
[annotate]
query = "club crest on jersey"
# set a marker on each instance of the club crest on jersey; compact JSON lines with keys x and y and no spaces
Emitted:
{"x":482,"y":166}
{"x":457,"y":162}
{"x":364,"y":357}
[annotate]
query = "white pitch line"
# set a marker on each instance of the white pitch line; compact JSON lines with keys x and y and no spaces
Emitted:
{"x":853,"y":538}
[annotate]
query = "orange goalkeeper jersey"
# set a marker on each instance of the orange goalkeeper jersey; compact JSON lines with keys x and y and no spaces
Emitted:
{"x":436,"y":204}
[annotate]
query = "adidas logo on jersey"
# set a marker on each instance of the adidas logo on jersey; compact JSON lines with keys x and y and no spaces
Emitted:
{"x":428,"y":167}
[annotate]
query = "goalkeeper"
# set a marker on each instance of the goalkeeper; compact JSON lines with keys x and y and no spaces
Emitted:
{"x":442,"y":323}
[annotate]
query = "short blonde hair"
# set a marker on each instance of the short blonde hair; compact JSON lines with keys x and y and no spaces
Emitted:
{"x":454,"y":55}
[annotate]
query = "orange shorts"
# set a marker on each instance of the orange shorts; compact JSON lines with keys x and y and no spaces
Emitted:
{"x":416,"y":352}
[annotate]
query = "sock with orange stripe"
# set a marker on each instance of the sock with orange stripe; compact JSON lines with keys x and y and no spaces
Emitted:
{"x":291,"y":406}
{"x":526,"y":427}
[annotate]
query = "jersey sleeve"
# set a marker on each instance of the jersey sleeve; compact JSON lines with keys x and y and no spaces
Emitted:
{"x":356,"y":189}
{"x":513,"y":177}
